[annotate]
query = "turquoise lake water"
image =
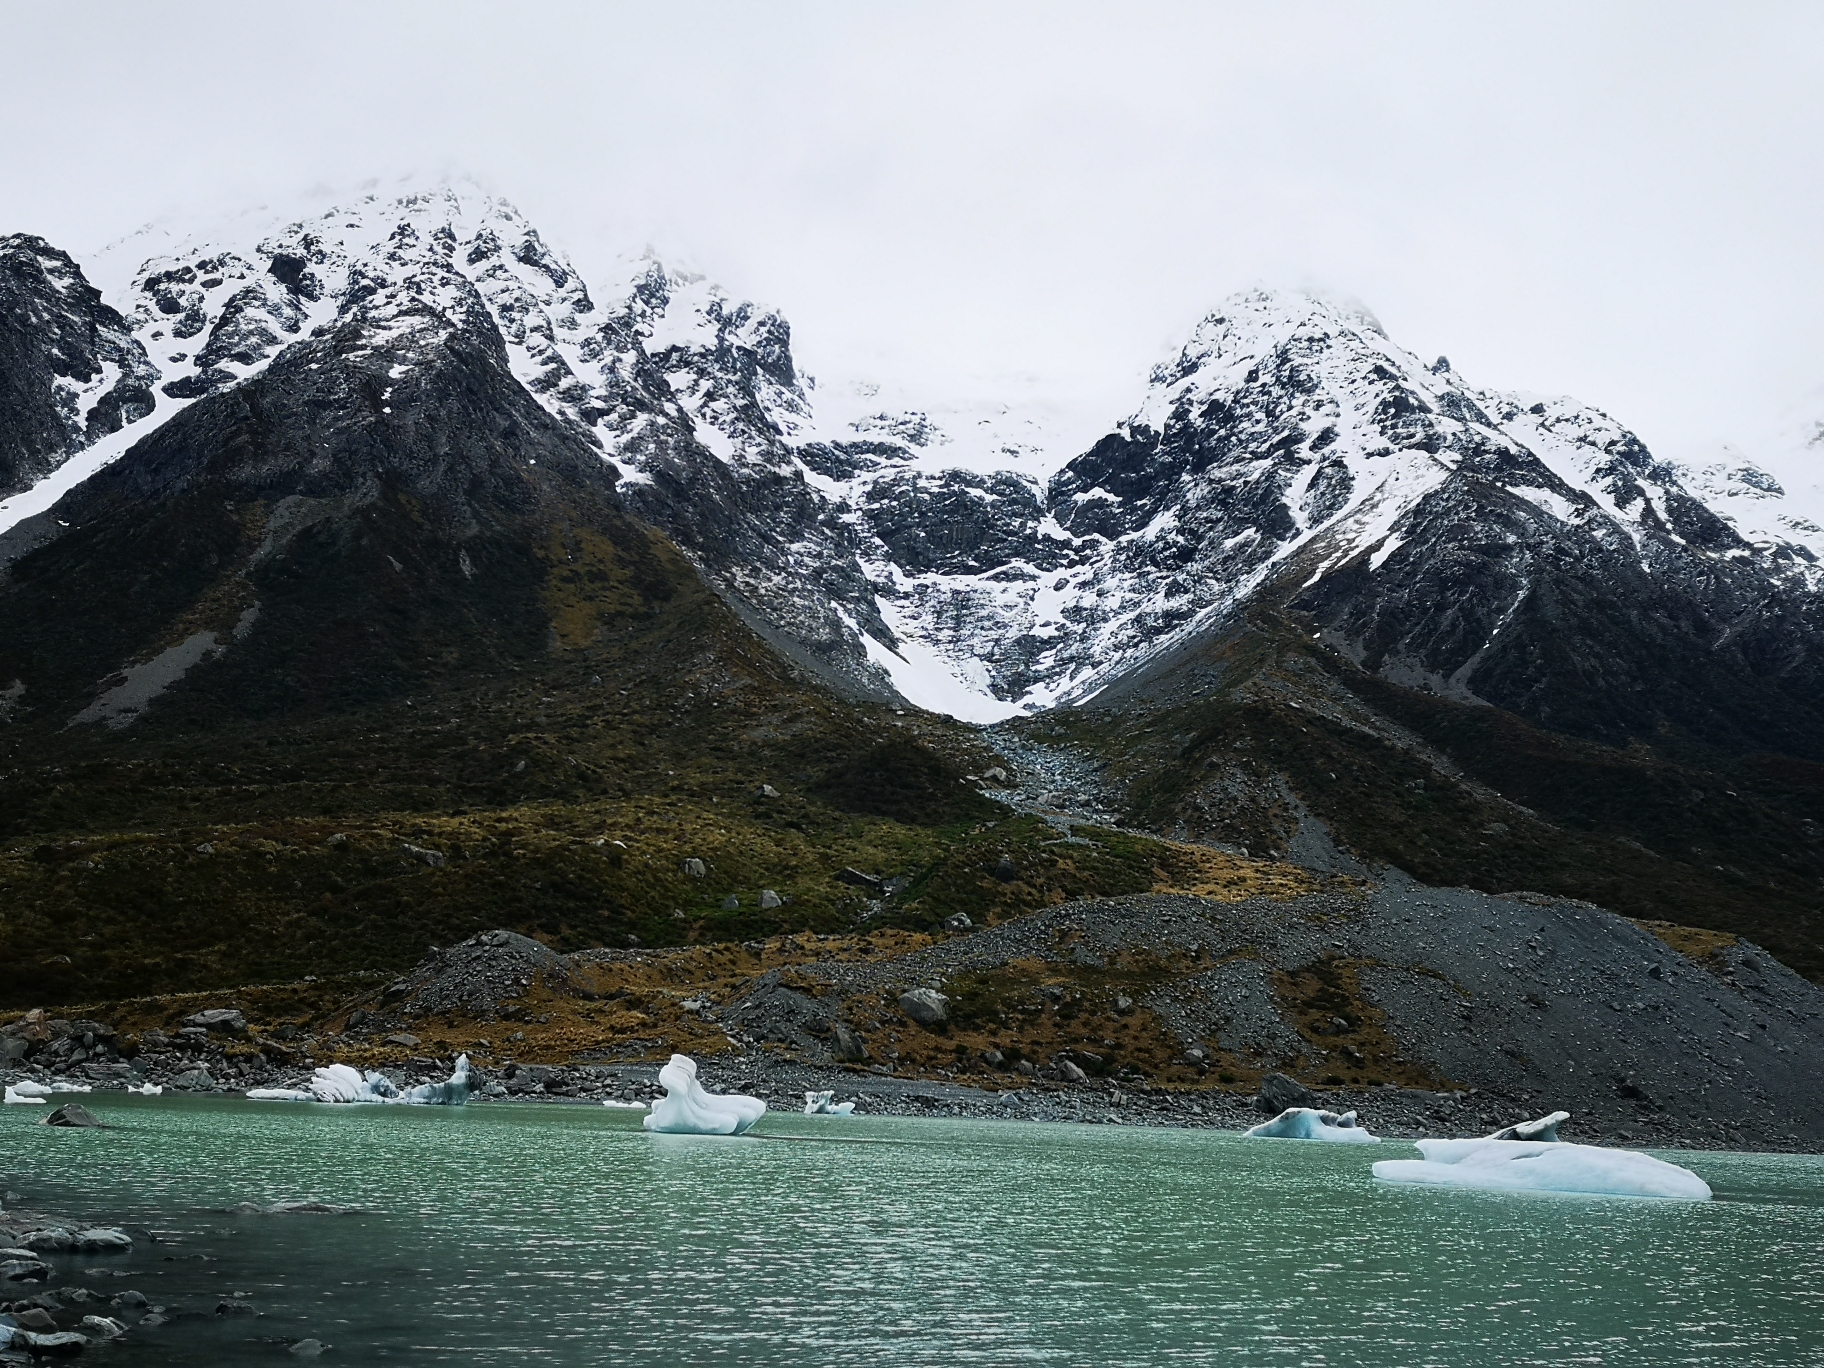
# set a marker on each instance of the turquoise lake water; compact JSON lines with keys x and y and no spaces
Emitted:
{"x":566,"y":1235}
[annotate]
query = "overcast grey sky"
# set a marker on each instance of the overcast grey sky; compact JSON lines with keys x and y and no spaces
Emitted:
{"x":1616,"y":201}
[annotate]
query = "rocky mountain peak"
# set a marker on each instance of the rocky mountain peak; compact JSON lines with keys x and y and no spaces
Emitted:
{"x":70,"y":370}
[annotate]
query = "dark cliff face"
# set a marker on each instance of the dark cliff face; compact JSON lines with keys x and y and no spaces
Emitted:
{"x":1671,"y":636}
{"x":70,"y":369}
{"x":356,"y":522}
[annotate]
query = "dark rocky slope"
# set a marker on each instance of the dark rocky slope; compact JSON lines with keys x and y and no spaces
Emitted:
{"x":71,"y":371}
{"x":1431,"y":1011}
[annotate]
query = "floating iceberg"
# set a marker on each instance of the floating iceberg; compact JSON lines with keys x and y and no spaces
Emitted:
{"x":825,"y":1104}
{"x":13,"y":1095}
{"x":147,"y":1090}
{"x":1544,"y":1128}
{"x":31,"y":1087}
{"x":340,"y":1083}
{"x":624,"y":1105}
{"x":1543,"y":1166}
{"x":686,"y":1109}
{"x":1308,"y":1123}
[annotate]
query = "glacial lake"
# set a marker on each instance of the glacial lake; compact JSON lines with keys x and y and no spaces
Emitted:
{"x":566,"y":1235}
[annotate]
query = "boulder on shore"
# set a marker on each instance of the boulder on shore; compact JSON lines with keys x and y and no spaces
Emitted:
{"x":1279,"y":1093}
{"x":228,"y":1020}
{"x":926,"y":1006}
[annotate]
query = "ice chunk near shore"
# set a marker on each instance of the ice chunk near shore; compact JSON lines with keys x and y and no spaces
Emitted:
{"x":686,"y":1109}
{"x":1543,"y":1166}
{"x":452,"y":1092}
{"x":623,"y":1104}
{"x":1544,"y":1128}
{"x":31,"y":1087}
{"x":14,"y":1096}
{"x":825,"y":1104}
{"x":147,"y":1089}
{"x":1308,"y":1123}
{"x":340,"y":1083}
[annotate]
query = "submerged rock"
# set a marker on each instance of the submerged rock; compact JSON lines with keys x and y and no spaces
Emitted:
{"x":61,"y":1344}
{"x":71,"y":1114}
{"x":103,"y":1327}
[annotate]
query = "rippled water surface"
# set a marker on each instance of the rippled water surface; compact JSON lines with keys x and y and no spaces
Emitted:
{"x":567,"y":1235}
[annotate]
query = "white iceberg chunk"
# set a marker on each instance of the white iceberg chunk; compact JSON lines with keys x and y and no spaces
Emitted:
{"x":623,"y":1105}
{"x":340,"y":1083}
{"x":686,"y":1109}
{"x":1308,"y":1123}
{"x":31,"y":1087}
{"x":61,"y":1086}
{"x":825,"y":1104}
{"x":452,"y":1092}
{"x":1543,"y":1166}
{"x":1544,"y":1128}
{"x":14,"y":1096}
{"x":147,"y":1089}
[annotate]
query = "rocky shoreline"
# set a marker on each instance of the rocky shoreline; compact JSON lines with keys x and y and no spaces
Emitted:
{"x":1391,"y":1112}
{"x":1427,"y":1011}
{"x":38,"y":1320}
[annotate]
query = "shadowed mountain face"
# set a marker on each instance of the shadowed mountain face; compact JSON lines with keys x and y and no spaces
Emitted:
{"x":347,"y":527}
{"x":71,"y":372}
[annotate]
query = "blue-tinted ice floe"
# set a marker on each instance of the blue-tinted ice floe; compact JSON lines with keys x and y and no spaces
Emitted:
{"x":1543,"y":1166}
{"x":340,"y":1083}
{"x":686,"y":1109}
{"x":1308,"y":1123}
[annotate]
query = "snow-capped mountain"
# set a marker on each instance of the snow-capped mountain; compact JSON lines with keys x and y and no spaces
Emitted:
{"x":1290,"y":454}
